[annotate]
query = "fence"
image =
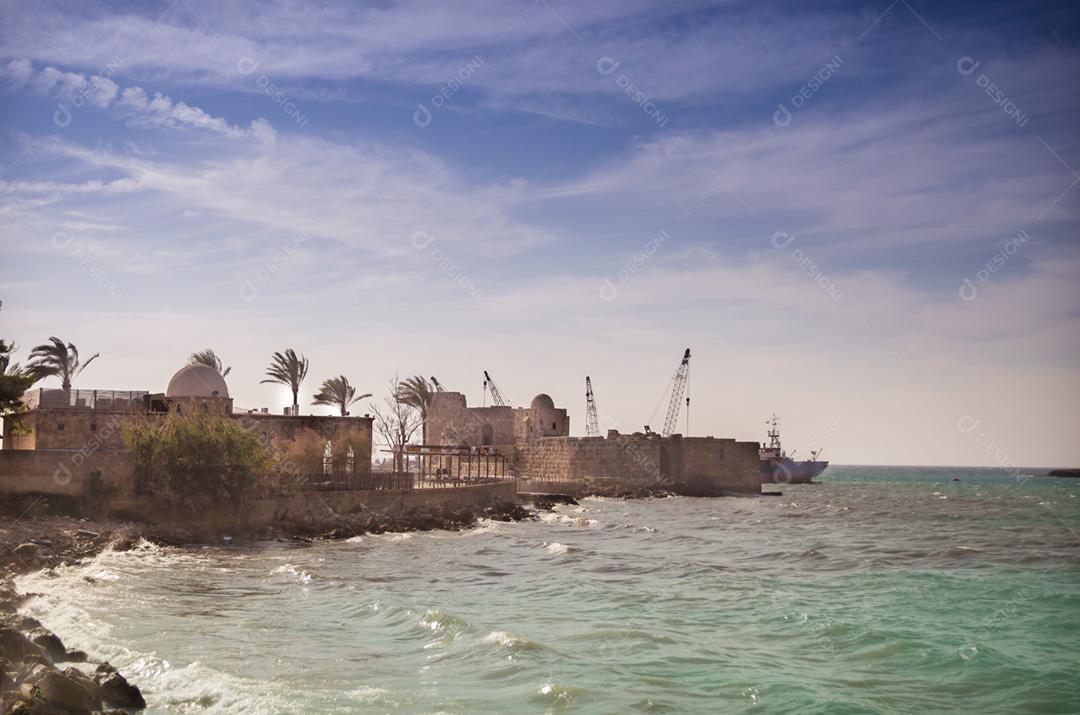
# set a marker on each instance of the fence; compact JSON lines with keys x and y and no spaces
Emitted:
{"x":85,"y":399}
{"x":343,"y":482}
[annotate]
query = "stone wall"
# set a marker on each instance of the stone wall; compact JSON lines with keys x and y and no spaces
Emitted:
{"x":83,"y":430}
{"x":450,"y":421}
{"x":697,"y":465}
{"x":67,"y":428}
{"x":280,"y":429}
{"x":309,"y":509}
{"x":65,"y":472}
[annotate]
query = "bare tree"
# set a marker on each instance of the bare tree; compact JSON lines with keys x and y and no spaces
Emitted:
{"x":396,"y":423}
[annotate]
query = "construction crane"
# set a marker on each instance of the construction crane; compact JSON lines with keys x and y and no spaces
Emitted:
{"x":497,"y":398}
{"x":678,"y":387}
{"x":592,"y":422}
{"x":438,"y":387}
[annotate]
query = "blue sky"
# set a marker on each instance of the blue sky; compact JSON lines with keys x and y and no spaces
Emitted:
{"x":436,"y":188}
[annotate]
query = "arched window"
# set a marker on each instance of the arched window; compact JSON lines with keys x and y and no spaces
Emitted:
{"x":350,"y":461}
{"x":487,"y":435}
{"x":328,"y":458}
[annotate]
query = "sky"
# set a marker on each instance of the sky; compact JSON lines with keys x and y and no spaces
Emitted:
{"x":860,"y":216}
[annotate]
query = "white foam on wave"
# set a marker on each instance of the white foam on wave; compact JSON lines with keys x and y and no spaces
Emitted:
{"x":404,"y":536}
{"x":367,"y":694}
{"x":65,"y":603}
{"x":354,"y":540}
{"x":502,"y":638}
{"x":298,"y":575}
{"x":484,"y":526}
{"x":552,"y":517}
{"x":556,"y":549}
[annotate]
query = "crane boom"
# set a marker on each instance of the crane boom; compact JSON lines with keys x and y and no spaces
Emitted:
{"x":592,"y":422}
{"x":678,"y":387}
{"x":496,"y":395}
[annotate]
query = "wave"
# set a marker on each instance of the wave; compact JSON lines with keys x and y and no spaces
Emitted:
{"x":511,"y":642}
{"x":556,"y":549}
{"x":294,"y":573}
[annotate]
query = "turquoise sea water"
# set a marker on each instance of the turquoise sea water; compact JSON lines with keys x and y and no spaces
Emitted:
{"x":882,"y":589}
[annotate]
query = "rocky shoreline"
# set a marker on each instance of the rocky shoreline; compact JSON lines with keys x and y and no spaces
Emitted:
{"x":37,"y":675}
{"x":40,"y":676}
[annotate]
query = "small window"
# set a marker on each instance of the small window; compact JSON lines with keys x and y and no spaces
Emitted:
{"x":93,"y":426}
{"x":554,"y":425}
{"x":59,"y":426}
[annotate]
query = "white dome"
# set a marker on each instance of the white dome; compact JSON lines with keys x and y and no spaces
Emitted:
{"x":197,"y":381}
{"x":542,"y":402}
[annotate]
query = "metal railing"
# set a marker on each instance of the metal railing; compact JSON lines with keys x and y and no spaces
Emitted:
{"x":388,"y":481}
{"x":44,"y":397}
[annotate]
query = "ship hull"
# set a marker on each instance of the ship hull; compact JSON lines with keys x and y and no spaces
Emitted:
{"x":788,"y":471}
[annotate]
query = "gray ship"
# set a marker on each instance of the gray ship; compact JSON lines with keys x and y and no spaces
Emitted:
{"x":778,"y":468}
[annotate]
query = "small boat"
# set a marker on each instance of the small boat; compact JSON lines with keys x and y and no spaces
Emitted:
{"x":778,"y":468}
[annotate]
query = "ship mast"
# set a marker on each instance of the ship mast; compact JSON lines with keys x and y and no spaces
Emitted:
{"x":774,"y":432}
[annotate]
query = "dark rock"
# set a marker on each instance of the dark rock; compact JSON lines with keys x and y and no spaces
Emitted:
{"x":69,"y":691}
{"x":116,"y":690}
{"x":1064,"y":473}
{"x":6,"y":682}
{"x":48,"y":642}
{"x":16,"y":647}
{"x":27,"y":553}
{"x":75,"y":656}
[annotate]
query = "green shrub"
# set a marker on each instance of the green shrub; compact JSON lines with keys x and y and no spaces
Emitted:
{"x":196,"y":459}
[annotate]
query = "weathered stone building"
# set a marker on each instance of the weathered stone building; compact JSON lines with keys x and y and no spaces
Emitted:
{"x":537,"y":444}
{"x":67,"y":438}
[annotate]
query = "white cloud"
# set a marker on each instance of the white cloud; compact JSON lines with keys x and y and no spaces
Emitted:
{"x":18,"y":72}
{"x":100,"y":92}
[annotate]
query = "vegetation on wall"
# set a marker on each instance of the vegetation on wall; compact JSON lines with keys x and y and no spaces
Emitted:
{"x":305,"y":453}
{"x":196,"y":459}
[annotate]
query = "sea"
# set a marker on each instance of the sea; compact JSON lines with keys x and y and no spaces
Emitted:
{"x":878,"y":590}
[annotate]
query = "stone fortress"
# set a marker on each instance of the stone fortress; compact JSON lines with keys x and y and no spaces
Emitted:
{"x":537,"y":445}
{"x":70,"y":440}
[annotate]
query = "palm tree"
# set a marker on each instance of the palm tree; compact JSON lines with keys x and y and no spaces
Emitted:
{"x":338,"y":392}
{"x":209,"y":358}
{"x":6,"y":366}
{"x":55,"y":358}
{"x":415,"y":392}
{"x":290,"y":370}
